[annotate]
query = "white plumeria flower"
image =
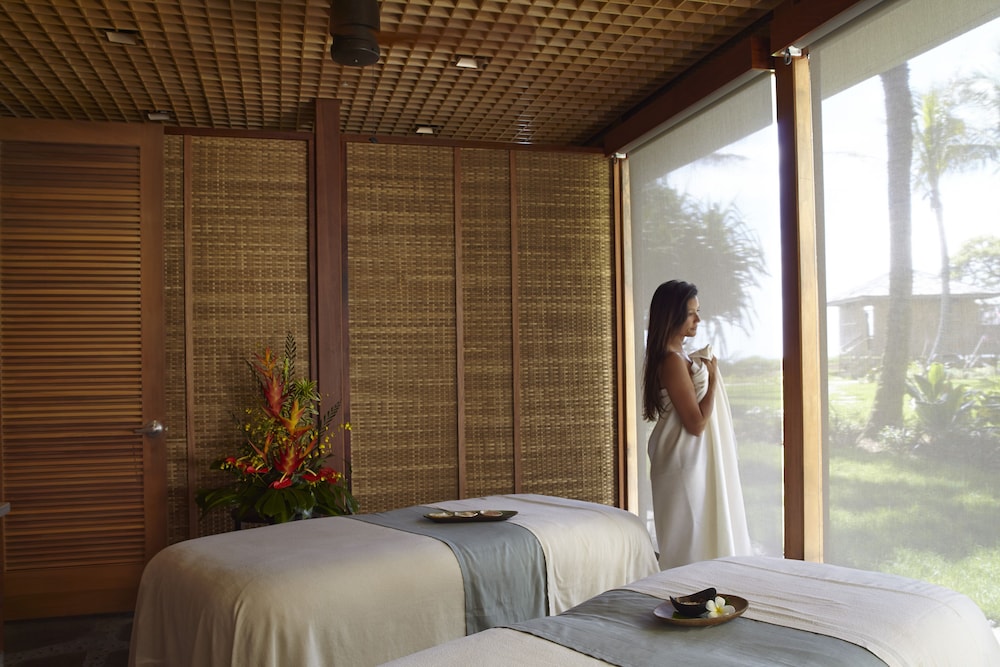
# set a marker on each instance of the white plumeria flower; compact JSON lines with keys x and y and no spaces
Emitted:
{"x":718,"y":607}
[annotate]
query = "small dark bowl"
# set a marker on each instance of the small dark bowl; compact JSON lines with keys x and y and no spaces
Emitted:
{"x":693,"y":605}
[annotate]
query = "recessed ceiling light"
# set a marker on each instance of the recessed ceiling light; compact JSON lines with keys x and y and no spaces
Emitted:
{"x":124,"y":37}
{"x":467,"y":62}
{"x":159,"y":114}
{"x":426,"y":129}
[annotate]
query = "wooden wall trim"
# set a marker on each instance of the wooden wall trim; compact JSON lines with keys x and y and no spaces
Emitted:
{"x":328,"y":319}
{"x":154,"y":358}
{"x":803,"y":441}
{"x":238,"y":134}
{"x":454,"y":143}
{"x":73,"y":132}
{"x":625,"y":467}
{"x":190,"y":435}
{"x":627,"y":380}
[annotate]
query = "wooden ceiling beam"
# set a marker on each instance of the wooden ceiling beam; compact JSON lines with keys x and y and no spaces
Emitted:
{"x":794,"y":22}
{"x":801,"y":22}
{"x":704,"y":83}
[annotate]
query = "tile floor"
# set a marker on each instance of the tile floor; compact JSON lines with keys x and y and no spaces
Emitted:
{"x":80,"y":641}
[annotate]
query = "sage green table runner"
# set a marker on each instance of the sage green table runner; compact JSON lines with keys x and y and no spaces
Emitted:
{"x":502,"y":564}
{"x":619,"y":627}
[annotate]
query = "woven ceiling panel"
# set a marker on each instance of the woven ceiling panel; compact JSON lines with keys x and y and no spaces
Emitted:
{"x":557,"y":71}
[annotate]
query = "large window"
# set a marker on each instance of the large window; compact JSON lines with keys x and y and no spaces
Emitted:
{"x":704,"y":208}
{"x":907,"y":137}
{"x":909,"y":110}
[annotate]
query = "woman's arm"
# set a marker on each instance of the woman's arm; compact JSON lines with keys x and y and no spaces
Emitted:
{"x":675,"y":377}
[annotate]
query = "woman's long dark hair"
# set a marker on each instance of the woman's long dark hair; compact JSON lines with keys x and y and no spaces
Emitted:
{"x":668,"y":311}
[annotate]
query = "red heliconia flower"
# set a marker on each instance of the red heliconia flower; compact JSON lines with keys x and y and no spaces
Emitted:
{"x":272,"y":383}
{"x":274,"y":396}
{"x":291,"y":423}
{"x":290,"y":459}
{"x":281,"y":483}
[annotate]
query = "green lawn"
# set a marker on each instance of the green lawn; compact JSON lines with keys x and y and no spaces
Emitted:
{"x":933,"y":518}
{"x":919,"y":518}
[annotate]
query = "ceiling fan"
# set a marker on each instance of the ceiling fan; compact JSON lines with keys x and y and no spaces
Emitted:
{"x":354,"y":25}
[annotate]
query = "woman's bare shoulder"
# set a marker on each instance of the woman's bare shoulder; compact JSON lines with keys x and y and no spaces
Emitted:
{"x":674,"y":364}
{"x":676,"y":358}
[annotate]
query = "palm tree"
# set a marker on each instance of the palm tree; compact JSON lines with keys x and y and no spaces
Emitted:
{"x":982,"y":89}
{"x":887,"y":409}
{"x":708,"y":244}
{"x":944,"y":143}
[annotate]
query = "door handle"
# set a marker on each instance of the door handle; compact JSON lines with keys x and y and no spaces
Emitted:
{"x":152,"y":428}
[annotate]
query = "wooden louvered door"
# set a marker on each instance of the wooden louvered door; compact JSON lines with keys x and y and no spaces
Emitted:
{"x":81,"y":364}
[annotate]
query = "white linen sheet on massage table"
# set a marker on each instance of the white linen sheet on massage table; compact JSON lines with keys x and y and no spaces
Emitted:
{"x":337,"y":591}
{"x":904,"y":622}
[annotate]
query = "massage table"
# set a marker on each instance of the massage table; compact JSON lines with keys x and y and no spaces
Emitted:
{"x":797,"y":613}
{"x":361,"y":590}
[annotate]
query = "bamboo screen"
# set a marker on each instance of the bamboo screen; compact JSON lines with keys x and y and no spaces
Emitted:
{"x":433,"y":292}
{"x":566,"y":326}
{"x":488,"y":330}
{"x":401,"y":300}
{"x":244,"y":256}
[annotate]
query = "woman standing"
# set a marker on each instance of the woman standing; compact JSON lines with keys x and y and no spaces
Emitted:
{"x":697,"y":498}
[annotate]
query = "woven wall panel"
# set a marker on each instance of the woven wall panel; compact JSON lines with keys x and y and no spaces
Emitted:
{"x":488,"y":334}
{"x":178,"y":523}
{"x":249,"y":264}
{"x":566,"y":325}
{"x":401,"y":295}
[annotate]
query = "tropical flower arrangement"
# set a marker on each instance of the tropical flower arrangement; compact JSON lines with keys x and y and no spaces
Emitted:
{"x":280,"y":472}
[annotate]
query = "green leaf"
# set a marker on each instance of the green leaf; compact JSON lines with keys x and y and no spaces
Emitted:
{"x":270,"y":505}
{"x":208,"y":499}
{"x":936,"y":376}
